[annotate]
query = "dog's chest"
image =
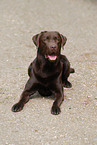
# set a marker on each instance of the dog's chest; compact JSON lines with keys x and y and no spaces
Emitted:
{"x":47,"y":74}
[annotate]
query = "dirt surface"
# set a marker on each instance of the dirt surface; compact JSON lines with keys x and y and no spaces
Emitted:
{"x":77,"y":123}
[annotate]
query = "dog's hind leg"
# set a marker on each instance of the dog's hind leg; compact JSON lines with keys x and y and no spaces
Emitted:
{"x":66,"y":72}
{"x":72,"y":70}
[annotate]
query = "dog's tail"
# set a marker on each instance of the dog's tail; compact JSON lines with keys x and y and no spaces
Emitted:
{"x":72,"y":70}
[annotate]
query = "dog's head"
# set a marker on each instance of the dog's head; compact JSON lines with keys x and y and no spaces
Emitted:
{"x":49,"y":44}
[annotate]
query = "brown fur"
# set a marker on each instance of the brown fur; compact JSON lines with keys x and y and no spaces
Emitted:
{"x":49,"y":72}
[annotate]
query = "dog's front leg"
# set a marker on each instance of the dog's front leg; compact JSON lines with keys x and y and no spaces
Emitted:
{"x":29,"y":90}
{"x":56,"y":105}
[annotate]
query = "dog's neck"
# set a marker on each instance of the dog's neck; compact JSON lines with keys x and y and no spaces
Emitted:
{"x":47,"y":68}
{"x":42,"y":61}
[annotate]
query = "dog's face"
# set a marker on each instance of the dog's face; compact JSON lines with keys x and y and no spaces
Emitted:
{"x":49,"y":44}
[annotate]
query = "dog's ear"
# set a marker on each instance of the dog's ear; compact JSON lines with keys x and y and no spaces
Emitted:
{"x":35,"y":39}
{"x":63,"y":41}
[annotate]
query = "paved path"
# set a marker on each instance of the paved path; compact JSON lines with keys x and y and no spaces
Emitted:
{"x":77,"y":123}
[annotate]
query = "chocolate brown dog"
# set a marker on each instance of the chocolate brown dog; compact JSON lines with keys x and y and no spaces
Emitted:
{"x":49,"y":72}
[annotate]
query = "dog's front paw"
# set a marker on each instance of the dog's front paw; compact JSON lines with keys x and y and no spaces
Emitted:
{"x":17,"y":107}
{"x":55,"y":110}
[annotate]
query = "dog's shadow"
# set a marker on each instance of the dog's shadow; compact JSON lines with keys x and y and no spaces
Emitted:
{"x":51,"y":97}
{"x":37,"y":95}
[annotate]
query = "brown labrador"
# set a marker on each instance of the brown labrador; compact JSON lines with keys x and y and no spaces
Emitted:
{"x":49,"y":72}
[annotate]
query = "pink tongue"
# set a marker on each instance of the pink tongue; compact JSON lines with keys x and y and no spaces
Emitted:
{"x":52,"y":57}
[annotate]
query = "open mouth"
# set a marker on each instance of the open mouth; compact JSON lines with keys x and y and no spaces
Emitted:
{"x":51,"y":57}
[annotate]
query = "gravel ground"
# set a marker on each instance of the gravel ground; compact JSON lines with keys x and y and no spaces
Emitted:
{"x":77,"y":123}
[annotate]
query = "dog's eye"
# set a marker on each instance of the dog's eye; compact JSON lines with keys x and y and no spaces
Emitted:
{"x":46,"y":38}
{"x":56,"y":38}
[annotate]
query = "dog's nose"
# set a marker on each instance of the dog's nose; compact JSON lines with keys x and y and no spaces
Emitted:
{"x":53,"y":46}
